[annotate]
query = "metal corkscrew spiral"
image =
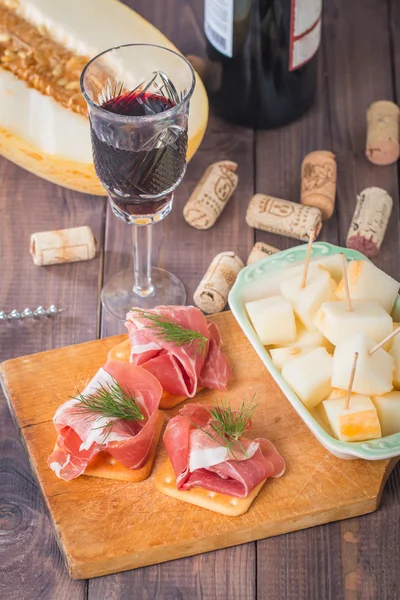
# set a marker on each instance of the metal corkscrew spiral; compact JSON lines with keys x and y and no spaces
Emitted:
{"x":27,"y":313}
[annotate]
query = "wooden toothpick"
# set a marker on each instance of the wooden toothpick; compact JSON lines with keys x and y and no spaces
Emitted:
{"x":352,"y":374}
{"x":311,"y":237}
{"x":386,"y":339}
{"x":346,"y":281}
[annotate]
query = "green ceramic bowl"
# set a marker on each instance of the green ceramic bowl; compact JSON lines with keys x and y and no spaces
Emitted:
{"x":260,"y":280}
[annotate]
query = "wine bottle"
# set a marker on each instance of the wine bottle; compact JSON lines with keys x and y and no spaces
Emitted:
{"x":262,"y":59}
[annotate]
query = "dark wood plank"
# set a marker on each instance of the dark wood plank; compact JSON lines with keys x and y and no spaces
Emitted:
{"x":29,"y":204}
{"x":394,"y":24}
{"x":229,"y":573}
{"x":188,"y":252}
{"x":302,"y":565}
{"x":358,"y":62}
{"x":31,"y":564}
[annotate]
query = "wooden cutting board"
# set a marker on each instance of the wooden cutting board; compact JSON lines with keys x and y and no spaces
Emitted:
{"x":105,"y":526}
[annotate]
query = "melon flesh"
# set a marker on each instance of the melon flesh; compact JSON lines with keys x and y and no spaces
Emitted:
{"x":310,"y":376}
{"x":334,"y":265}
{"x":320,"y":287}
{"x":356,"y":423}
{"x":367,"y":282}
{"x":310,"y":339}
{"x":388,"y":407}
{"x":374,"y":372}
{"x":336,"y":393}
{"x":272,"y":319}
{"x":280,"y":356}
{"x":336,"y":322}
{"x":394,"y":351}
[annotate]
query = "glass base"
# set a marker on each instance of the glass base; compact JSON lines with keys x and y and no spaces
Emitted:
{"x":160,"y":209}
{"x":118,"y":297}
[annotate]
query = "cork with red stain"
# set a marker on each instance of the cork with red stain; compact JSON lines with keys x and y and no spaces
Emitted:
{"x":370,"y":220}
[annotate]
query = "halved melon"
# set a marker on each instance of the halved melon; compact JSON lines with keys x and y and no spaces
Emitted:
{"x":49,"y":140}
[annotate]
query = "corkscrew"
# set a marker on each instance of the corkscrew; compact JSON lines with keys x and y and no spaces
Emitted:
{"x":27,"y":313}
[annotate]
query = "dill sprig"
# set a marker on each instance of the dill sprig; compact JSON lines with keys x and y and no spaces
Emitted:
{"x":232,"y":423}
{"x":172,"y":332}
{"x":229,"y":424}
{"x":111,"y":400}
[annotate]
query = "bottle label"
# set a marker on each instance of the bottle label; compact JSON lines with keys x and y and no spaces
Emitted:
{"x":305,"y":31}
{"x":218,"y":24}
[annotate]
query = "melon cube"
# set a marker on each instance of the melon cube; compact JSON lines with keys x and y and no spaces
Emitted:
{"x":273,"y":320}
{"x":334,"y":265}
{"x":374,"y":372}
{"x":280,"y":356}
{"x":394,"y":351}
{"x":310,"y":376}
{"x":307,"y":339}
{"x":336,"y":393}
{"x":336,"y":322}
{"x":388,"y":407}
{"x":320,"y":287}
{"x":356,"y":423}
{"x":367,"y":282}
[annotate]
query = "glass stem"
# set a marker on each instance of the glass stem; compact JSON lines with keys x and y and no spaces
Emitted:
{"x":142,"y":260}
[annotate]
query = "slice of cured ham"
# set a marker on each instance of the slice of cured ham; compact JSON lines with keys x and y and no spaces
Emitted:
{"x":200,"y":458}
{"x":81,"y":435}
{"x":179,"y":369}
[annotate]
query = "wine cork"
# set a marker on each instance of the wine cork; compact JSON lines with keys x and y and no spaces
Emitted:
{"x":370,"y":220}
{"x":63,"y":245}
{"x":318,"y":181}
{"x":259,"y":251}
{"x":212,"y":293}
{"x":383,"y":133}
{"x":211,"y":194}
{"x":283,"y":217}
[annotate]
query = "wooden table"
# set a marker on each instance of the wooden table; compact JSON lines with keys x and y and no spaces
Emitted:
{"x":358,"y":558}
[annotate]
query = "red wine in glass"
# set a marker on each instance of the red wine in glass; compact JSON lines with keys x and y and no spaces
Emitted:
{"x":139,"y":177}
{"x":139,"y":145}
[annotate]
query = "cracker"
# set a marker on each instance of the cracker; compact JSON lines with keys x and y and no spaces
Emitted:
{"x":165,"y":482}
{"x":104,"y":465}
{"x":121,"y":351}
{"x":168,"y":400}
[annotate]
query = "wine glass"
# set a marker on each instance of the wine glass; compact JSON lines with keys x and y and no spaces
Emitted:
{"x":138,"y":102}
